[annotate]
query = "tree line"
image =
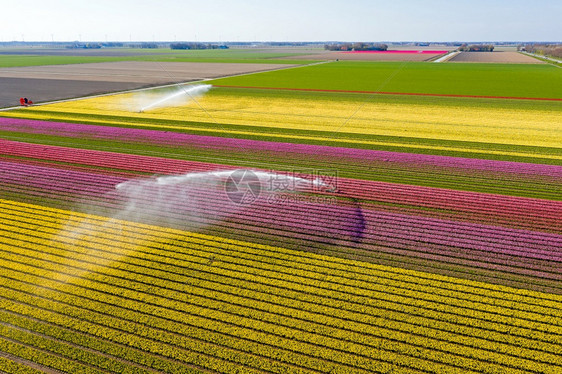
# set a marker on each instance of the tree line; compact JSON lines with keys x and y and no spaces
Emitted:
{"x":356,"y":47}
{"x":476,"y":48}
{"x":554,"y":50}
{"x":184,"y":45}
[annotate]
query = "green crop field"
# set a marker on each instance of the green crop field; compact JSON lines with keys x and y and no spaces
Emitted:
{"x":513,"y":80}
{"x":208,"y":53}
{"x":38,"y":60}
{"x":354,"y":97}
{"x":162,"y":55}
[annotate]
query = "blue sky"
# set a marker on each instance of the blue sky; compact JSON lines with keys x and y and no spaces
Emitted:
{"x":281,"y":20}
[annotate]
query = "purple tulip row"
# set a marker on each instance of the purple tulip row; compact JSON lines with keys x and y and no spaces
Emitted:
{"x":71,"y":180}
{"x":361,"y":188}
{"x":534,"y":214}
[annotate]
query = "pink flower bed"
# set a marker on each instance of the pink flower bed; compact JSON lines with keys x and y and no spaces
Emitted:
{"x":425,"y":52}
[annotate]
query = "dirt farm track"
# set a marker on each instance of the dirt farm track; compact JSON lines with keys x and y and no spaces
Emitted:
{"x":55,"y":82}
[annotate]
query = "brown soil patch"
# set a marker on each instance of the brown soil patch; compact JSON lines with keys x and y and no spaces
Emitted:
{"x":41,"y":90}
{"x":136,"y":71}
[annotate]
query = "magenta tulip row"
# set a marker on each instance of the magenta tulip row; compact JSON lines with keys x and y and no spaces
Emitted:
{"x":97,"y":187}
{"x":68,"y":180}
{"x":162,"y":165}
{"x":514,"y":211}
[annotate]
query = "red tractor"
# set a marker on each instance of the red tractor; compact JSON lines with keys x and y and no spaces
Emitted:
{"x":24,"y":101}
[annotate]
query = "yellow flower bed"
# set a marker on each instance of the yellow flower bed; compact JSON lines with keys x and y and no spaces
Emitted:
{"x":501,"y":126}
{"x":224,"y":304}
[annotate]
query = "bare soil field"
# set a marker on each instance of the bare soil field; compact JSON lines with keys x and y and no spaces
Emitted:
{"x":495,"y":57}
{"x":334,"y":55}
{"x":41,"y":90}
{"x":136,"y":71}
{"x":55,"y":82}
{"x":399,"y":47}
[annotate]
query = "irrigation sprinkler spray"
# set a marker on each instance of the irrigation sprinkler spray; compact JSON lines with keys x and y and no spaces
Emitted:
{"x":146,"y":102}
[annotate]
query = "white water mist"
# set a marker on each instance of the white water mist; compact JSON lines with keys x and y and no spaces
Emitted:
{"x":156,"y":99}
{"x":190,"y":202}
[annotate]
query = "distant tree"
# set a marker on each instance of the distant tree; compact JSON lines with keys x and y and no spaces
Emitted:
{"x":358,"y":46}
{"x":338,"y":47}
{"x":553,"y":50}
{"x":185,"y":45}
{"x":283,"y":44}
{"x":74,"y":45}
{"x":149,"y":45}
{"x":112,"y":44}
{"x":476,"y":48}
{"x":378,"y":47}
{"x":180,"y":46}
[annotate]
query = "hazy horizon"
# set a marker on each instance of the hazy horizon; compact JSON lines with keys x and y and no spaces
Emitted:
{"x":291,"y":21}
{"x":436,"y":42}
